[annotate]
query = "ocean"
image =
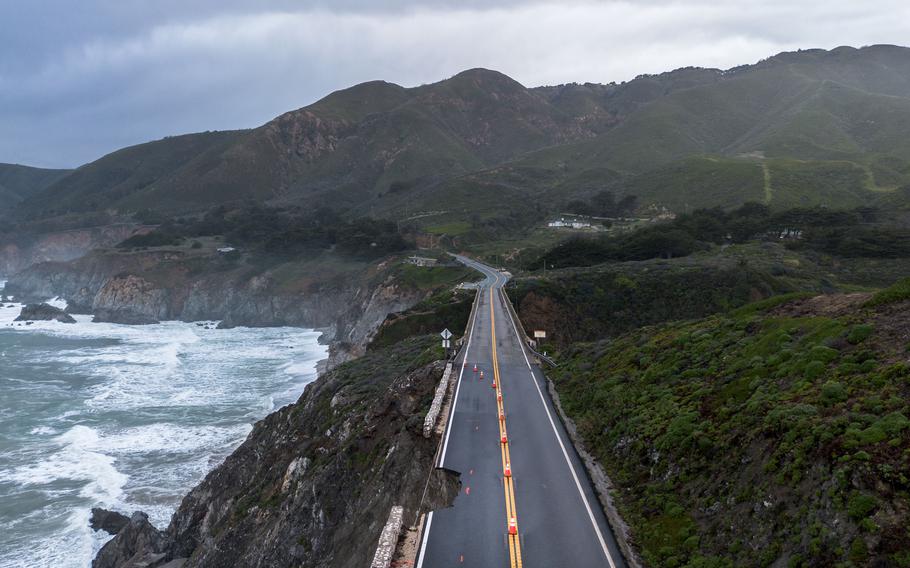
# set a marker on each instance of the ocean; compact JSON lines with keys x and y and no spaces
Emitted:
{"x":126,"y":418}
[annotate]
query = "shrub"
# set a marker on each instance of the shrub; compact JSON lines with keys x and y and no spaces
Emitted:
{"x":894,"y":423}
{"x":859,"y":333}
{"x":860,"y":505}
{"x":823,"y":354}
{"x":896,"y":293}
{"x":814,"y":369}
{"x":152,"y":239}
{"x":858,"y":551}
{"x":832,"y":391}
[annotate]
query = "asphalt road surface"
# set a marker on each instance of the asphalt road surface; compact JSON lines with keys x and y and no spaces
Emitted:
{"x":557,"y":518}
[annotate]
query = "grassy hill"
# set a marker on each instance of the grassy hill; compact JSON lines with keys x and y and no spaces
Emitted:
{"x":776,"y":434}
{"x":802,"y":128}
{"x":20,"y":182}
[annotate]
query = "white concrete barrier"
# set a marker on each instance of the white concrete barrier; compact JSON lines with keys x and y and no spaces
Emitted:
{"x":429,"y":423}
{"x":388,"y":539}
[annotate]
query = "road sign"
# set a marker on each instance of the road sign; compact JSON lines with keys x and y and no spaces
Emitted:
{"x":540,"y":334}
{"x":446,"y":344}
{"x":446,"y":333}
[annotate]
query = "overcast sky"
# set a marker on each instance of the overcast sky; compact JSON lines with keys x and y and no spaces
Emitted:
{"x":81,"y":78}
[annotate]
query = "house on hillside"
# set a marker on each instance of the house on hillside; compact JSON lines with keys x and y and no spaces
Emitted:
{"x":568,"y":223}
{"x":421,"y":261}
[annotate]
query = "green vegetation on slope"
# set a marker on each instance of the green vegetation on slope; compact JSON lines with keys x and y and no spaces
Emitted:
{"x":799,"y":129}
{"x":856,"y":233}
{"x":20,"y":182}
{"x":777,"y":435}
{"x":281,"y":233}
{"x":445,"y":310}
{"x":616,"y":299}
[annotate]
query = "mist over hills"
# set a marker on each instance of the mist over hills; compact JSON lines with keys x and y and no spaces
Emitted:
{"x":799,"y":128}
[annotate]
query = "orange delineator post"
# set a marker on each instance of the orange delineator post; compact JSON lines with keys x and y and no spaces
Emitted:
{"x":513,"y":526}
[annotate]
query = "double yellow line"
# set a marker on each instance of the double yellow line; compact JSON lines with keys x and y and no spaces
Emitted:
{"x":508,"y":487}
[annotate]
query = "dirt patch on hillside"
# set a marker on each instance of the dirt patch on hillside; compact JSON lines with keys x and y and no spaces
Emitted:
{"x":826,"y":305}
{"x":892,"y":331}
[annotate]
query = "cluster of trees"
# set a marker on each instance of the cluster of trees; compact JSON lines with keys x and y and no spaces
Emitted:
{"x":604,"y":204}
{"x":848,"y":233}
{"x":283,"y":232}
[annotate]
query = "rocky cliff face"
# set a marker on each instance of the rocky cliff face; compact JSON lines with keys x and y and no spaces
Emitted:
{"x":61,"y":246}
{"x":172,"y":284}
{"x":314,"y":482}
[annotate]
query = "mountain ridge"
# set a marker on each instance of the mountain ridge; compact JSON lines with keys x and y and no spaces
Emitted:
{"x":382,"y":149}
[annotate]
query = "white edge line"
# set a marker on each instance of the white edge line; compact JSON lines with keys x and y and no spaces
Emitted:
{"x":467,"y":349}
{"x":426,"y":530}
{"x":426,"y":537}
{"x":565,"y":454}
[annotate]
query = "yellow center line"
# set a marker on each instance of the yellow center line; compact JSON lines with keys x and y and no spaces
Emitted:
{"x":508,"y":487}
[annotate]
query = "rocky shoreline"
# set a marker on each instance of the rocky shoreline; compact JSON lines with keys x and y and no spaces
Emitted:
{"x":152,"y":286}
{"x":349,"y":448}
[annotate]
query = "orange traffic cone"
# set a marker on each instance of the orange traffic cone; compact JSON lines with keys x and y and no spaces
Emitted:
{"x":513,"y":526}
{"x":505,"y":440}
{"x":499,"y":397}
{"x":475,"y":367}
{"x":481,"y":374}
{"x":508,"y":470}
{"x":493,"y":384}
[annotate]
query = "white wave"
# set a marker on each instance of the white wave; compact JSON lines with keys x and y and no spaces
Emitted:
{"x":57,"y":302}
{"x":171,"y":438}
{"x":167,"y":403}
{"x":77,"y":459}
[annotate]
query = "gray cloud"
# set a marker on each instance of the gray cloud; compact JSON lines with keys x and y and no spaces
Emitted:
{"x":78,"y":80}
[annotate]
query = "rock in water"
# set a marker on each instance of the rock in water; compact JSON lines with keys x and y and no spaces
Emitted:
{"x":125,"y":316}
{"x":44,"y":312}
{"x":108,"y":521}
{"x":137,"y":544}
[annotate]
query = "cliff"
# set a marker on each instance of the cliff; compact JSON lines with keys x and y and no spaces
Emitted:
{"x":314,"y":482}
{"x":18,"y":254}
{"x":348,"y":300}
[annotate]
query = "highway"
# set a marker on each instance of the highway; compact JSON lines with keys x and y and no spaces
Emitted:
{"x":548,"y":497}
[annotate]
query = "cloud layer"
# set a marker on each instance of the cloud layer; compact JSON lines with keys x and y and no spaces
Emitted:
{"x":78,"y":80}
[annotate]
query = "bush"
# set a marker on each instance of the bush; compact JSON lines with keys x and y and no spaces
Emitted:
{"x":860,"y":505}
{"x":814,"y":370}
{"x":859,"y":333}
{"x":823,"y":354}
{"x":899,"y":292}
{"x":153,"y":239}
{"x":832,"y":391}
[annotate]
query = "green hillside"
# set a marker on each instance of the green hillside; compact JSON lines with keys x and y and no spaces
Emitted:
{"x":774,"y":435}
{"x":20,"y":182}
{"x":802,"y":128}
